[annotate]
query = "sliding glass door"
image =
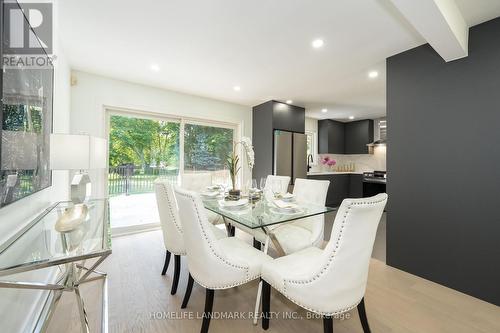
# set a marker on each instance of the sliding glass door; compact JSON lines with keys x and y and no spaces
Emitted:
{"x":143,"y":148}
{"x":206,"y":148}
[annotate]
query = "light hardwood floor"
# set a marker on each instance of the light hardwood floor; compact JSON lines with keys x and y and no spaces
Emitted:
{"x":396,"y":301}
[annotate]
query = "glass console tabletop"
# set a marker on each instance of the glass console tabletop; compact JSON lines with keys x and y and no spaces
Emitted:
{"x":40,"y":245}
{"x":264,"y":213}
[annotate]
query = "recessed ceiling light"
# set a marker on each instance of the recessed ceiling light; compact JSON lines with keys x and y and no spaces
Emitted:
{"x":317,"y":43}
{"x":351,"y":117}
{"x":236,"y":88}
{"x":155,"y":68}
{"x":289,"y":101}
{"x":373,"y":74}
{"x":324,"y":110}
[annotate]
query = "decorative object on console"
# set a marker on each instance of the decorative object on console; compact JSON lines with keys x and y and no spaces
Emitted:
{"x":77,"y":152}
{"x":72,"y":218}
{"x":233,"y":164}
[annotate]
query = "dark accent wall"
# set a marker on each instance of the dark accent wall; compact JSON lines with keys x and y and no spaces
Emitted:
{"x":443,"y":163}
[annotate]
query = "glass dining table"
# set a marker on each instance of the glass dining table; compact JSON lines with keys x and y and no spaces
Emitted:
{"x":263,"y":215}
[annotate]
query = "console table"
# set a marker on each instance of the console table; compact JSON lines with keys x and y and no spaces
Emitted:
{"x":77,"y":253}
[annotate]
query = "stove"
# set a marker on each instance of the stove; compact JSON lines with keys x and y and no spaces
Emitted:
{"x":379,"y":177}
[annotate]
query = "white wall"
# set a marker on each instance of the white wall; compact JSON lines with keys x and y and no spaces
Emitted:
{"x":18,"y":308}
{"x":92,"y":94}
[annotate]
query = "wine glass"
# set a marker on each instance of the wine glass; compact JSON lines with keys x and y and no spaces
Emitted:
{"x":262,"y":183}
{"x":254,"y":184}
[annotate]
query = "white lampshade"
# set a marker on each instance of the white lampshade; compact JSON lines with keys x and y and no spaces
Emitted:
{"x":77,"y":152}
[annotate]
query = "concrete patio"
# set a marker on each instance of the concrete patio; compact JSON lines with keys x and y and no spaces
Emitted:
{"x":133,"y":210}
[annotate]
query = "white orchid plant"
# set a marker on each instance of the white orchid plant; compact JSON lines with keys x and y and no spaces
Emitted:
{"x":233,"y":159}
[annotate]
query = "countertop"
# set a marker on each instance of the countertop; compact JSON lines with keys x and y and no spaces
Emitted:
{"x":319,"y":173}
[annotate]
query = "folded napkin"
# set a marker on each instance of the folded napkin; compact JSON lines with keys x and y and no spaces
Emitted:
{"x":284,"y":205}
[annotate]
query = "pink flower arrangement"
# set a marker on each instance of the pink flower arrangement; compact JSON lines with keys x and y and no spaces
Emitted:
{"x":328,"y":162}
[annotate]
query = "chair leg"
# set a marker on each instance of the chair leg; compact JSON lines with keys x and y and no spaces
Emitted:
{"x":266,"y":304}
{"x":327,"y":324}
{"x":362,"y":316}
{"x":256,"y":244}
{"x":207,"y":313}
{"x":189,"y":288}
{"x":165,"y":265}
{"x":177,"y":272}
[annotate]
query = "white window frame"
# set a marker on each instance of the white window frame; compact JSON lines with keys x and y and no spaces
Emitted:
{"x":314,"y":147}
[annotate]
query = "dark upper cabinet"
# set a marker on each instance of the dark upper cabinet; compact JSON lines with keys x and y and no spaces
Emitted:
{"x":288,"y":117}
{"x":357,"y":135}
{"x":335,"y":137}
{"x":331,"y":137}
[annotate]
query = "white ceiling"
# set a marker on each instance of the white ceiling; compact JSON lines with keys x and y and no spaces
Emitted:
{"x":207,"y":47}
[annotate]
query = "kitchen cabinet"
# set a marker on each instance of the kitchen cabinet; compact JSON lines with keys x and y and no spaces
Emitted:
{"x":341,"y":186}
{"x":357,"y":135}
{"x":331,"y":137}
{"x":355,"y":185}
{"x":335,"y":137}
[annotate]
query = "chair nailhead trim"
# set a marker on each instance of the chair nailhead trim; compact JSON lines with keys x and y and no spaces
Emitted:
{"x":325,"y":268}
{"x":225,"y":261}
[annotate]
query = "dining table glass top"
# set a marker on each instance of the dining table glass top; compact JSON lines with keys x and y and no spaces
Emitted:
{"x":264,"y":213}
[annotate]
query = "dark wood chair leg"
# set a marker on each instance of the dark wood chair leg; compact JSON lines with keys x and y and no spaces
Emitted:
{"x":189,"y":288}
{"x":207,"y":313}
{"x":362,"y":316}
{"x":177,"y":272}
{"x":256,"y":244}
{"x":165,"y":265}
{"x":266,"y":304}
{"x":327,"y":324}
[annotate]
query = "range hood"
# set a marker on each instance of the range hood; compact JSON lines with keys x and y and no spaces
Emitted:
{"x":381,"y":133}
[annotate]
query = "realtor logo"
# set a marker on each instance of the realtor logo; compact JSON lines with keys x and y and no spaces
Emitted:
{"x":27,"y":28}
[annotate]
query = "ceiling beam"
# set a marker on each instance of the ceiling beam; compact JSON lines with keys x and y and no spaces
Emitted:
{"x":440,"y":22}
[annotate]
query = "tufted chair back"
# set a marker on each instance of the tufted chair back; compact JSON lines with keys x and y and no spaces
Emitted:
{"x":339,"y":282}
{"x":268,"y":190}
{"x":314,"y":192}
{"x":196,"y":181}
{"x":169,"y":217}
{"x":208,"y":263}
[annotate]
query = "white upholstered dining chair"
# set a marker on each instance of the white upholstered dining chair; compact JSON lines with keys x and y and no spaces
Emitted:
{"x":198,"y":182}
{"x":332,"y":281}
{"x":304,"y":232}
{"x":172,"y":229}
{"x":214,"y":263}
{"x":271,"y":180}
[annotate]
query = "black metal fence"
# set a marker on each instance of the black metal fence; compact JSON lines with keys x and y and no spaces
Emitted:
{"x":130,"y":179}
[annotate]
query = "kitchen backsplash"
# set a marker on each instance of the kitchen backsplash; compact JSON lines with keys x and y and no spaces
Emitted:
{"x":362,"y":163}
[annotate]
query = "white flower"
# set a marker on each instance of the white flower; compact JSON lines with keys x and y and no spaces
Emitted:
{"x":246,"y":142}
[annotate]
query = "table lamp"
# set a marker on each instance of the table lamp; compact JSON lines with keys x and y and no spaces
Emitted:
{"x":78,"y":152}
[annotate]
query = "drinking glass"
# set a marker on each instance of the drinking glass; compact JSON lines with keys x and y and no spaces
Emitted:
{"x":262,"y":183}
